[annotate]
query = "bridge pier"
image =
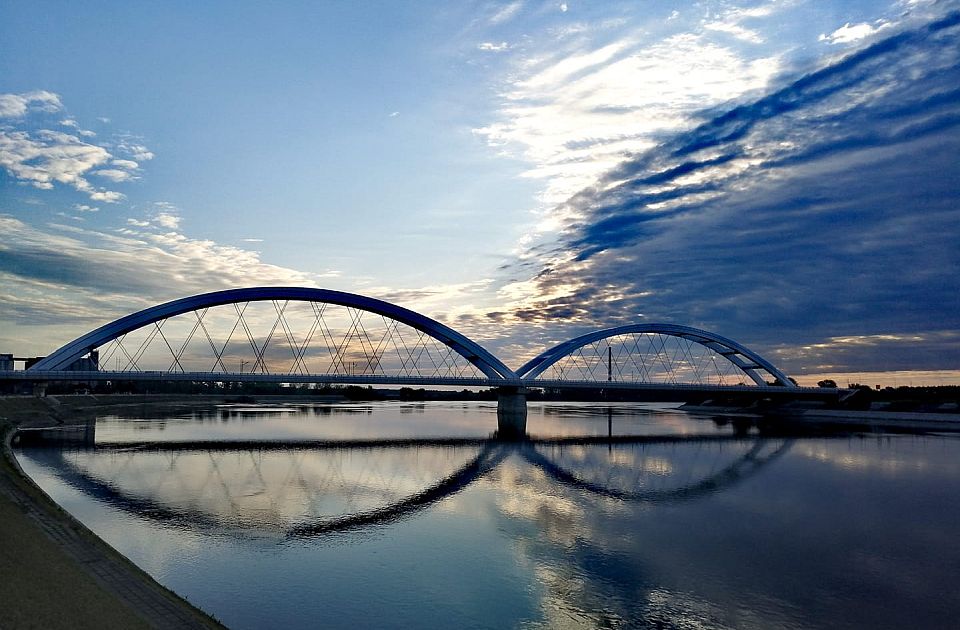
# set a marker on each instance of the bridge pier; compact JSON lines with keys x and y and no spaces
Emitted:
{"x":511,"y":413}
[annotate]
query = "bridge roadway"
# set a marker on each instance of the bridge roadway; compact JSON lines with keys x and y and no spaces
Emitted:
{"x":673,"y":392}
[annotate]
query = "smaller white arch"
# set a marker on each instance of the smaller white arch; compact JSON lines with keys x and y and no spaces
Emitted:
{"x":749,"y":362}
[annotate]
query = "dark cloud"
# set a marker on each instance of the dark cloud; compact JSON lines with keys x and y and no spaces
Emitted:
{"x":828,"y":207}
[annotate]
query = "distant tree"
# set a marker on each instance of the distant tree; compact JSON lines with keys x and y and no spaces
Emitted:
{"x":827,"y":382}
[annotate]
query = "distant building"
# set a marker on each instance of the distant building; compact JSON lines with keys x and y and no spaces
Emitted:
{"x":6,"y":362}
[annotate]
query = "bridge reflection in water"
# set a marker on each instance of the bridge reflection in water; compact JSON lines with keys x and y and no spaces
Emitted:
{"x":308,"y":489}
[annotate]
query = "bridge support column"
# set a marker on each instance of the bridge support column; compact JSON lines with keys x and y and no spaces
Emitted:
{"x":511,"y":413}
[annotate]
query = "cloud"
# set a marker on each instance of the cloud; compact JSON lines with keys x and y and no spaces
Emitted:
{"x":107,"y":196}
{"x":849,"y":34}
{"x":506,"y":13}
{"x":492,"y":47}
{"x":167,"y":220}
{"x":736,"y":30}
{"x":828,"y":208}
{"x":114,"y":174}
{"x":132,"y":147}
{"x":70,"y":277}
{"x":731,"y":21}
{"x":43,"y":157}
{"x":18,"y":105}
{"x":575,"y":115}
{"x":49,"y":157}
{"x":80,"y":207}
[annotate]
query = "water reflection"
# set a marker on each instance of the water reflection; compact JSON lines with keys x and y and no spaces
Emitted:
{"x":604,"y":518}
{"x":683,"y":470}
{"x":301,"y":490}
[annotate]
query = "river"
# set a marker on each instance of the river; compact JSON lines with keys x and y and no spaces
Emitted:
{"x":403,"y":515}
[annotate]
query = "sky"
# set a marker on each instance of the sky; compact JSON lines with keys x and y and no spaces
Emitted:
{"x":783,"y":173}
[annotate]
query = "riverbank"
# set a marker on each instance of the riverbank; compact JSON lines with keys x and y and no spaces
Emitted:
{"x":55,"y":572}
{"x":851,"y":418}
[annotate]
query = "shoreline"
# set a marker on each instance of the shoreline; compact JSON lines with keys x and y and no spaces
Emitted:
{"x":874,"y":420}
{"x":56,"y":572}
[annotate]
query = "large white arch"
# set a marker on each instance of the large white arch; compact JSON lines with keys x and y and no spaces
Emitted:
{"x":488,"y":364}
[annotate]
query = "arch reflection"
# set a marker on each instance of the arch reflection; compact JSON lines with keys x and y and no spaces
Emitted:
{"x":302,"y":491}
{"x":636,"y":479}
{"x":284,"y":491}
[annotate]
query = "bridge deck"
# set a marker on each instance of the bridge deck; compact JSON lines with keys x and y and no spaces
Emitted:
{"x":658,"y":391}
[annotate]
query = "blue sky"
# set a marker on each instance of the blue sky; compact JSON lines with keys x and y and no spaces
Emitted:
{"x":784,"y":173}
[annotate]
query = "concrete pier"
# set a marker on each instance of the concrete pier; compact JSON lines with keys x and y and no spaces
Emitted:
{"x":512,"y":413}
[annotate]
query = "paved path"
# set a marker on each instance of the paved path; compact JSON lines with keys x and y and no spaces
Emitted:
{"x":57,"y":574}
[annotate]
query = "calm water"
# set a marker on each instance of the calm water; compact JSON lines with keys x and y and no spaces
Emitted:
{"x":692,"y":525}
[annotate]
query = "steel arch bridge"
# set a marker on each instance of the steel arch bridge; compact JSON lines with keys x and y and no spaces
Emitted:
{"x":309,"y":335}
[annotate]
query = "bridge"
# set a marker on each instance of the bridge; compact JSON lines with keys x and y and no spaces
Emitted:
{"x":308,"y":335}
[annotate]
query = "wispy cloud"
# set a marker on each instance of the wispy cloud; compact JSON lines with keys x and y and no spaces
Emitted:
{"x":506,"y":12}
{"x":734,"y":21}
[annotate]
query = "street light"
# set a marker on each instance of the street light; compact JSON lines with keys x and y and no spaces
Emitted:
{"x":243,"y":363}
